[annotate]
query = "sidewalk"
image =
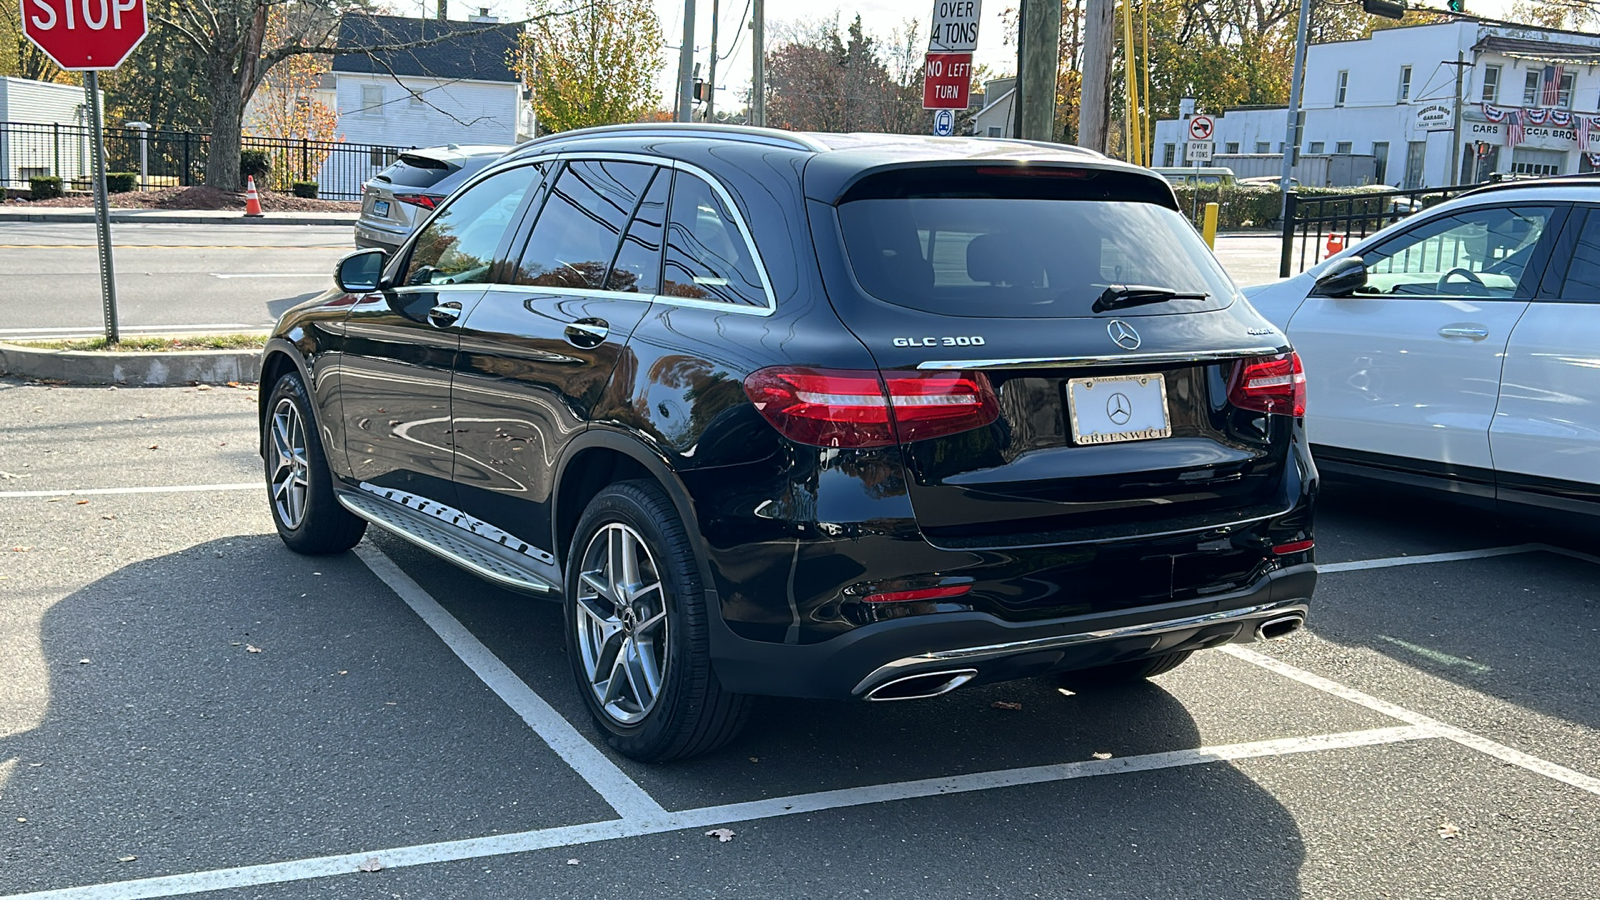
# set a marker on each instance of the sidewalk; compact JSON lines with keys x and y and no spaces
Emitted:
{"x":23,"y":212}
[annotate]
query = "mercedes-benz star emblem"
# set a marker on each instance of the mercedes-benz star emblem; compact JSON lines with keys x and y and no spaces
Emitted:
{"x":1119,"y":409}
{"x":1123,"y":334}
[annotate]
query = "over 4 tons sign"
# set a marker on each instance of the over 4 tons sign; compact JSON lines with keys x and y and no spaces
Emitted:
{"x":85,"y":34}
{"x":947,"y":74}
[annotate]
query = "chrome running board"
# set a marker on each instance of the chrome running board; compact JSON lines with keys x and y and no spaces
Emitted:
{"x":474,"y":545}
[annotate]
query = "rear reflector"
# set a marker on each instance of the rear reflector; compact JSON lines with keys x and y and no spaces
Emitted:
{"x":1269,"y":384}
{"x":1293,"y":547}
{"x":933,"y":593}
{"x":864,"y":408}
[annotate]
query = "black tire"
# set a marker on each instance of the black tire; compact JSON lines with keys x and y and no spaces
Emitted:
{"x":1122,"y":673}
{"x":323,"y":525}
{"x":689,"y":712}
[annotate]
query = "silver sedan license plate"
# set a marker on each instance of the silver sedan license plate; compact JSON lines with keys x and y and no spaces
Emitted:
{"x":1120,"y":408}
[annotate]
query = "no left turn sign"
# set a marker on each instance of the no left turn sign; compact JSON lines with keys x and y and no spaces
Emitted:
{"x":1201,"y":127}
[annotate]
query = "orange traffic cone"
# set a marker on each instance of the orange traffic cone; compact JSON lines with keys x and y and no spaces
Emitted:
{"x":252,"y":203}
{"x":1334,"y":245}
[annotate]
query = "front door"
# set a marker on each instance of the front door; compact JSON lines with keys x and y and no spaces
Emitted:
{"x":401,"y":344}
{"x":541,"y":346}
{"x":1408,"y":371}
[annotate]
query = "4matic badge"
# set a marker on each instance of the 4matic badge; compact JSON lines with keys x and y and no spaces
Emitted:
{"x":964,"y":340}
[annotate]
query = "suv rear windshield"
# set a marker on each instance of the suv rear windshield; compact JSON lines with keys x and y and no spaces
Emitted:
{"x":1025,"y":247}
{"x":415,"y":171}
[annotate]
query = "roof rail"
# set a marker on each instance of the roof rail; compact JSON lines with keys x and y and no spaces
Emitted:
{"x":1582,"y":178}
{"x":746,"y":133}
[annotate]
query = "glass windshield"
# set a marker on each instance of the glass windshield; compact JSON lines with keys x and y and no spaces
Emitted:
{"x":1025,"y":258}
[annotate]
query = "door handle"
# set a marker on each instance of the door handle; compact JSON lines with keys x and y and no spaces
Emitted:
{"x":445,"y":314}
{"x":588,"y":333}
{"x":1470,"y":332}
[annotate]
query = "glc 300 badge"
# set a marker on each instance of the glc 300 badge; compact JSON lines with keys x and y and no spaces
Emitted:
{"x":1123,"y":335}
{"x":959,"y":341}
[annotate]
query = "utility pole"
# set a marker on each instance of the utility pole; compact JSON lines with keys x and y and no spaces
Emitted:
{"x":1291,"y":143}
{"x":1040,"y":47}
{"x":1133,"y":134}
{"x":686,"y":66}
{"x":1095,"y":92}
{"x":758,"y":64}
{"x":1455,"y":122}
{"x":1022,"y":71}
{"x":711,"y":71}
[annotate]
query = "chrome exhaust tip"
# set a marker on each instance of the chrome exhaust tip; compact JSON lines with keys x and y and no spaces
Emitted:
{"x":1282,"y":626}
{"x":922,"y":685}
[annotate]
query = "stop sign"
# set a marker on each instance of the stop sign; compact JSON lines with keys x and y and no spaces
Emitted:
{"x":85,"y":34}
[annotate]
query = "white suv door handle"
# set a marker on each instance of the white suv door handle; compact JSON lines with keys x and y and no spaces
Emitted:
{"x":1470,"y":332}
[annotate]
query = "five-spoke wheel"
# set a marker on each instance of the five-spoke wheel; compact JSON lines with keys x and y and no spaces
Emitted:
{"x":287,"y":462}
{"x":622,"y":628}
{"x":299,"y":484}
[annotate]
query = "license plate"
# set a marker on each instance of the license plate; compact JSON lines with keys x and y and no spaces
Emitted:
{"x":380,"y":207}
{"x":1120,"y":408}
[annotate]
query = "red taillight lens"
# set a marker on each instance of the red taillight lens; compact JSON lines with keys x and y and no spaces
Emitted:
{"x":423,"y":200}
{"x":861,"y":408}
{"x":1293,"y":547}
{"x":933,"y":593}
{"x":1269,"y":384}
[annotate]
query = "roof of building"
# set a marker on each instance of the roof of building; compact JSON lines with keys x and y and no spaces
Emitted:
{"x":475,"y":54}
{"x":1540,"y":50}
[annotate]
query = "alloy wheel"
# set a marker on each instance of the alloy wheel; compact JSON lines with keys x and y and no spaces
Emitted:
{"x":290,"y":469}
{"x":621,"y":618}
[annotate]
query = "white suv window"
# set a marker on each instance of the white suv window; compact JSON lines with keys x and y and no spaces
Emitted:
{"x":1476,"y":253}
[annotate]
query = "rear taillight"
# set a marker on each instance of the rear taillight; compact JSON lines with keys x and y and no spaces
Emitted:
{"x":1269,"y":384}
{"x":932,"y":593}
{"x":863,"y":408}
{"x":423,"y":200}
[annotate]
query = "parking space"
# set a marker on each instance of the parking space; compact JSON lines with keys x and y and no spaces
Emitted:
{"x":187,"y":708}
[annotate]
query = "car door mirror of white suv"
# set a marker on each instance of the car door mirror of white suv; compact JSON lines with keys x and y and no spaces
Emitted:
{"x":360,"y":272}
{"x":1342,"y":279}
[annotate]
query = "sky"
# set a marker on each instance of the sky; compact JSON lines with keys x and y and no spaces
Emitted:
{"x":881,"y":18}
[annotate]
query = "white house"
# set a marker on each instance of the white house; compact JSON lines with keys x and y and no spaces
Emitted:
{"x":995,"y":118}
{"x":1393,"y":95}
{"x":43,"y":131}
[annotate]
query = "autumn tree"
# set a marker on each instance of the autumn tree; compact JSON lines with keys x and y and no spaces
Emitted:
{"x":596,"y":66}
{"x":286,"y":106}
{"x":819,"y":79}
{"x":19,"y":57}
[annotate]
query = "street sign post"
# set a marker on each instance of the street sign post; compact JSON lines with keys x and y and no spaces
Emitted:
{"x":947,"y":69}
{"x":90,"y":36}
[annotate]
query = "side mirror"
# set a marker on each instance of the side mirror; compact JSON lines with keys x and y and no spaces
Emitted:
{"x":1343,"y":278}
{"x":361,"y":271}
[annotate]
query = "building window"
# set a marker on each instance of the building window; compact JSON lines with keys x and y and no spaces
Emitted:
{"x":1169,"y":152}
{"x":1344,"y":87}
{"x":994,"y":131}
{"x":1491,"y":84}
{"x":1405,"y":83}
{"x":1316,"y":147}
{"x":382,"y":156}
{"x":1536,"y":89}
{"x":1344,"y":147}
{"x":1380,"y":149}
{"x":1263,"y":147}
{"x":1231,"y":147}
{"x":413,"y":98}
{"x":372,"y":100}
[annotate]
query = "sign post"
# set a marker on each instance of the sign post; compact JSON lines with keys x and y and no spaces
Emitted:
{"x":90,"y":36}
{"x":947,"y":69}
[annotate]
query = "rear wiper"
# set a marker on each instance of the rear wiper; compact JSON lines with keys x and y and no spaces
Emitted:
{"x":1121,"y":296}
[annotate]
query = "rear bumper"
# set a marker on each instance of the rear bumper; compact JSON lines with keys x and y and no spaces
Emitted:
{"x":853,"y":664}
{"x":369,"y":236}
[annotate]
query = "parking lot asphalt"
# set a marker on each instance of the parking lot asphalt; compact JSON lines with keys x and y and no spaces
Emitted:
{"x":189,"y":709}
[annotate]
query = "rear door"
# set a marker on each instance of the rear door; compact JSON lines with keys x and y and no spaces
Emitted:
{"x":1546,"y":433}
{"x":1408,"y":375}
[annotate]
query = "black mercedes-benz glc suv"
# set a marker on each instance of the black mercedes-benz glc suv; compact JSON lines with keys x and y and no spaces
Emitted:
{"x":834,"y":416}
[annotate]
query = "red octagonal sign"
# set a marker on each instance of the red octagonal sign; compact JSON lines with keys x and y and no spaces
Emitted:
{"x":85,"y":34}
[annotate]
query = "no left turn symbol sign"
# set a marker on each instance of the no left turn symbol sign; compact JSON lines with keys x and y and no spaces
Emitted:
{"x":1201,"y":127}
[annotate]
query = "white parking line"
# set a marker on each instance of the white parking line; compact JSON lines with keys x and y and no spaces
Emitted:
{"x":270,"y":275}
{"x":1432,"y":726}
{"x":610,"y":782}
{"x":730,"y":814}
{"x":1391,"y":561}
{"x":170,"y":489}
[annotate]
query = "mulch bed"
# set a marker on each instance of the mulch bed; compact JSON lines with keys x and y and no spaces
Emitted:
{"x":200,"y":197}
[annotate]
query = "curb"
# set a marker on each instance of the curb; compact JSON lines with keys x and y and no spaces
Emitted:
{"x":145,"y":367}
{"x":88,"y":218}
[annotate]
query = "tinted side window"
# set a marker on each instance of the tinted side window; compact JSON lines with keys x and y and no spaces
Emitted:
{"x":707,"y":257}
{"x":638,"y":265}
{"x":577,"y":233}
{"x":1474,"y":253}
{"x":458,"y":245}
{"x":1583,"y":275}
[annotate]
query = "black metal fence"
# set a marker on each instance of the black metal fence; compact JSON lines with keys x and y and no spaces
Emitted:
{"x":1307,"y":221}
{"x":165,"y":158}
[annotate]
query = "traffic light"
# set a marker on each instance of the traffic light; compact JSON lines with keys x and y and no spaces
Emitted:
{"x":1390,"y":9}
{"x":1459,"y":6}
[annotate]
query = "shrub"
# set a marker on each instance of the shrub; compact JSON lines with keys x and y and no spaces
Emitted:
{"x":121,"y":182}
{"x":306,"y":189}
{"x":255,"y":164}
{"x":44,"y":187}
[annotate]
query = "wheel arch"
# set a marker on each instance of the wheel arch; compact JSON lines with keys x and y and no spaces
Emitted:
{"x":278,"y":359}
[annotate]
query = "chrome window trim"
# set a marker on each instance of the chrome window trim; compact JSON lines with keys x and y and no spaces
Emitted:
{"x":1121,"y":359}
{"x":715,"y":305}
{"x":570,"y":156}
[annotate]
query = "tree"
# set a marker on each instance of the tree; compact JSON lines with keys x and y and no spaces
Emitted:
{"x":18,"y":56}
{"x":821,"y":80}
{"x":1573,"y":14}
{"x":596,"y":66}
{"x":286,"y":106}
